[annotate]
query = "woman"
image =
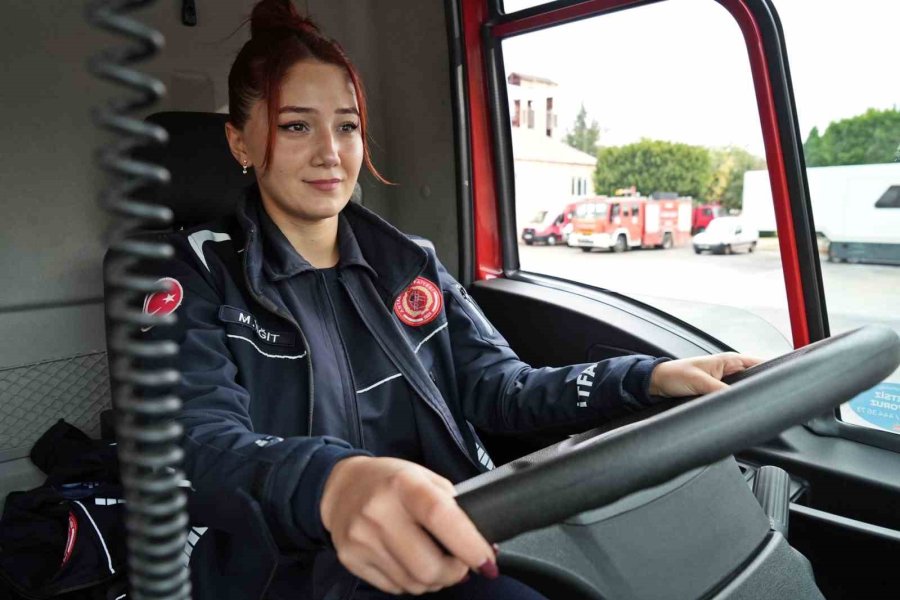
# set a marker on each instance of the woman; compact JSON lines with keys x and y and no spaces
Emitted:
{"x":333,"y":370}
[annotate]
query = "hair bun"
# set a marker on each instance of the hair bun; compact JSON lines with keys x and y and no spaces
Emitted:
{"x":279,"y":15}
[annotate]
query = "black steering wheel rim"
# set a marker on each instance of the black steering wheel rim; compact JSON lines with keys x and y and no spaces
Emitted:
{"x":599,"y":467}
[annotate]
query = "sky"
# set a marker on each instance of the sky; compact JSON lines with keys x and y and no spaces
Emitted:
{"x":678,"y":70}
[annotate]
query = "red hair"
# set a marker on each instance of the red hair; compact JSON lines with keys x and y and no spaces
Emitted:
{"x":280,"y":38}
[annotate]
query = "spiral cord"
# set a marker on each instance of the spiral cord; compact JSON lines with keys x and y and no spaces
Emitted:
{"x":148,"y":437}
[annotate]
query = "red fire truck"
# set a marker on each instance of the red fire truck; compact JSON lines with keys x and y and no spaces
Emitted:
{"x":620,"y":223}
{"x":704,"y":213}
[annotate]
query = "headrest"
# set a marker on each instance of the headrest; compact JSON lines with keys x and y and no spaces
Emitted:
{"x":206,"y":180}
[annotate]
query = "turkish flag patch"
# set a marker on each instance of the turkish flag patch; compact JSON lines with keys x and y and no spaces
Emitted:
{"x":163,"y":303}
{"x":420,"y":303}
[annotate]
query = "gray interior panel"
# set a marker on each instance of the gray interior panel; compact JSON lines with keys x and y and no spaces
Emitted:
{"x":37,"y":395}
{"x":609,"y":550}
{"x":48,"y":333}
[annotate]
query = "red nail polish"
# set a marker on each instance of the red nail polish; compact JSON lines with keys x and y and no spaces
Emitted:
{"x":488,"y":570}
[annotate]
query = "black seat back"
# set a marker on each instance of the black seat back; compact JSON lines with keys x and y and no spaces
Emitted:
{"x":207,"y":181}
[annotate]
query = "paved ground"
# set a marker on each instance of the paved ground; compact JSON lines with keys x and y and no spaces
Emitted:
{"x":706,"y":289}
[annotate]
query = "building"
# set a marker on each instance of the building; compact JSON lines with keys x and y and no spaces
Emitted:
{"x":548,"y":172}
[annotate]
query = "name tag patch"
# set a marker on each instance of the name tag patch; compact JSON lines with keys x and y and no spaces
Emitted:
{"x":230,"y":314}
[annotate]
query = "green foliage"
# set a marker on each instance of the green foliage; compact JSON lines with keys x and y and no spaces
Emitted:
{"x":652,"y":166}
{"x":728,"y":166}
{"x":869,"y":138}
{"x":584,"y":137}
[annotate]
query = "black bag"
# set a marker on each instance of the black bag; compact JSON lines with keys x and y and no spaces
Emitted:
{"x":66,"y":539}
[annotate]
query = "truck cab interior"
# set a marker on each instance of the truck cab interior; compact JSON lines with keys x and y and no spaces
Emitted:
{"x":759,"y":491}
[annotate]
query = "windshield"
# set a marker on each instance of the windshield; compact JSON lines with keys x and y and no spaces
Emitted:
{"x":539,"y":217}
{"x":590,"y":210}
{"x":721,"y":226}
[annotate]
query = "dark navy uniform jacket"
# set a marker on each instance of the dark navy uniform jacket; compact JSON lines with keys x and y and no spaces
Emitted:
{"x":262,"y":432}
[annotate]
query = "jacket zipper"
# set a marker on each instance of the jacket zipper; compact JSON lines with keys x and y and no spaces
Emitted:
{"x":271,"y":307}
{"x":488,"y":328}
{"x":349,"y":398}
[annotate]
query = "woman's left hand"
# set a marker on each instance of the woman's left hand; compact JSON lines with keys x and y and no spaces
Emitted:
{"x":697,"y":376}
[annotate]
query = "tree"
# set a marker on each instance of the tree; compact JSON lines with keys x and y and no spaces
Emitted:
{"x":871,"y":137}
{"x":728,"y":166}
{"x":584,"y":137}
{"x":654,"y":166}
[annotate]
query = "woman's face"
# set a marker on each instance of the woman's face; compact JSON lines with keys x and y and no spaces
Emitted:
{"x":318,"y":147}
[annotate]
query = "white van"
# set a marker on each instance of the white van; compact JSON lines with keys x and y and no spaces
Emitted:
{"x":725,"y":235}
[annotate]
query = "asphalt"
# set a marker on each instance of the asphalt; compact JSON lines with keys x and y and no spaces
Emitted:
{"x":739,"y":298}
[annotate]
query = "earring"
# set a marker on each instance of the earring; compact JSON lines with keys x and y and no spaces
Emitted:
{"x":245,"y":167}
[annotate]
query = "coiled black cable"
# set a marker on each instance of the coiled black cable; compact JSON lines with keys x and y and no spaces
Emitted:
{"x":148,"y":437}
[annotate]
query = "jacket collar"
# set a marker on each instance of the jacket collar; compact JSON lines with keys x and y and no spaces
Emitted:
{"x":283,"y":261}
{"x":365,"y":240}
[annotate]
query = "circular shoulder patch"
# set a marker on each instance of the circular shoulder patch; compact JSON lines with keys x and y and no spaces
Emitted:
{"x":163,"y":303}
{"x":420,"y":303}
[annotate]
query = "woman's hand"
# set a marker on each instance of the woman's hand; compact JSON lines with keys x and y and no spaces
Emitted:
{"x":697,"y":376}
{"x":380,"y":512}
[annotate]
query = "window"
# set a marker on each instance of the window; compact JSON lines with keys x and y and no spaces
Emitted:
{"x":673,"y":130}
{"x":849,"y":116}
{"x":549,"y":118}
{"x":688,"y":105}
{"x":510,"y":6}
{"x":891,"y":198}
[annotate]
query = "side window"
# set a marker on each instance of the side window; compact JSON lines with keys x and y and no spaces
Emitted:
{"x":891,"y":198}
{"x":851,"y":142}
{"x":669,"y":131}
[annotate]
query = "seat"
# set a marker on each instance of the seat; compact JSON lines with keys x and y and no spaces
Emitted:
{"x":206,"y":181}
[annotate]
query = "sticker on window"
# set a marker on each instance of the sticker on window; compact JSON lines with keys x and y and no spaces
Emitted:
{"x":877,"y":408}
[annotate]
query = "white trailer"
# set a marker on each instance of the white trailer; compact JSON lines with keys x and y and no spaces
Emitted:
{"x":856,"y":207}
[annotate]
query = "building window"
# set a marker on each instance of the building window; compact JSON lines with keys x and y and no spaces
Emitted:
{"x":517,"y":110}
{"x":549,"y":122}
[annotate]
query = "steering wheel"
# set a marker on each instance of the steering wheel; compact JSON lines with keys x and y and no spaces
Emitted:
{"x":598,"y":467}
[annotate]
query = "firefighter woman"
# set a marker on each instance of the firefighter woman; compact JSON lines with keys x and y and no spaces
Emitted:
{"x":334,"y":374}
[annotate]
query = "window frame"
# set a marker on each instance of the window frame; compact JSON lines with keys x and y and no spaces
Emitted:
{"x":484,"y":26}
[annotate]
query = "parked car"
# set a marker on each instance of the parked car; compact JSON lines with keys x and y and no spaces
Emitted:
{"x":725,"y":235}
{"x":549,"y":228}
